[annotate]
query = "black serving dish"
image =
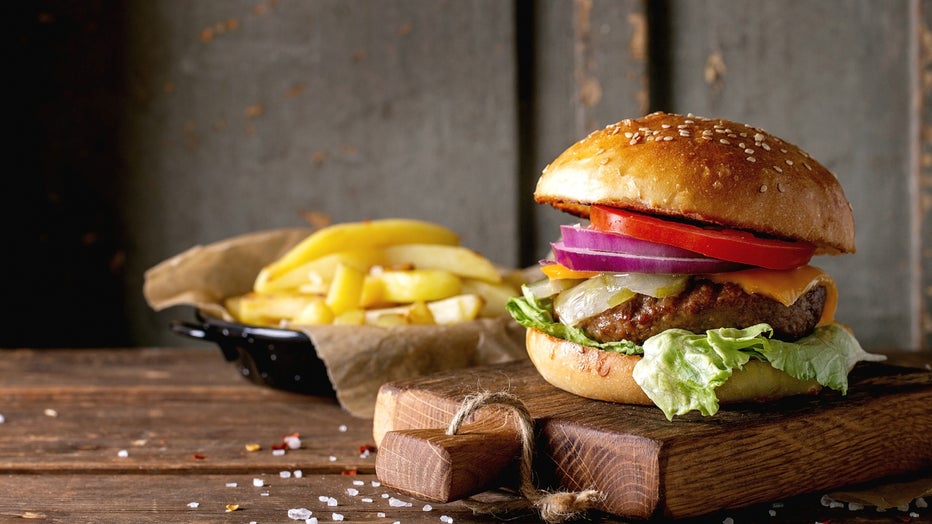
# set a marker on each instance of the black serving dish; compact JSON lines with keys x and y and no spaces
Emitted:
{"x":278,"y":358}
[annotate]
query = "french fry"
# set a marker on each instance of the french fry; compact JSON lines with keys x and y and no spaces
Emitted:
{"x":317,"y":312}
{"x":459,"y":308}
{"x":418,"y":285}
{"x":346,"y":289}
{"x":495,"y":296}
{"x":453,"y":259}
{"x":315,"y":276}
{"x":268,"y":309}
{"x":359,"y":235}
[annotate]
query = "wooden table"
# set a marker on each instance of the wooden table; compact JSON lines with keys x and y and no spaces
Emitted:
{"x":161,"y":435}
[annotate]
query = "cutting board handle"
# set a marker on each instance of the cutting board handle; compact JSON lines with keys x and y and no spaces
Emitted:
{"x":435,"y":465}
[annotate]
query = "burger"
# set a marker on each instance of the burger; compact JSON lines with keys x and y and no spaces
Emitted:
{"x":691,"y":283}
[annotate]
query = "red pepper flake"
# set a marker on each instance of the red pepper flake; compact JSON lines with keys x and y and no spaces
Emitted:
{"x":280,"y":446}
{"x":904,"y":518}
{"x":198,"y":456}
{"x":349,"y":472}
{"x":367,"y":448}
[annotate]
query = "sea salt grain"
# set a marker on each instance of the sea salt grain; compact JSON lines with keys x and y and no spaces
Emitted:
{"x":337,"y":517}
{"x":2,"y":420}
{"x":396,"y":503}
{"x":292,"y":441}
{"x":232,"y":484}
{"x":728,"y":520}
{"x":193,"y":504}
{"x":921,"y":503}
{"x":299,"y":513}
{"x":278,"y":452}
{"x":343,"y":428}
{"x":284,"y":474}
{"x":427,"y":507}
{"x":352,"y":492}
{"x":332,"y":502}
{"x":298,"y":473}
{"x":122,"y":453}
{"x":447,"y":520}
{"x":358,"y":483}
{"x":258,"y":483}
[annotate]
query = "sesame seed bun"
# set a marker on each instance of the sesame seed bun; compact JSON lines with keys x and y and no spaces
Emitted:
{"x":709,"y":170}
{"x":604,"y":375}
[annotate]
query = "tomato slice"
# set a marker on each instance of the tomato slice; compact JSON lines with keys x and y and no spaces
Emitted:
{"x":724,"y":244}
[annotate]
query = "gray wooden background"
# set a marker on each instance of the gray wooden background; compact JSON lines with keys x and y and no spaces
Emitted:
{"x":141,"y":128}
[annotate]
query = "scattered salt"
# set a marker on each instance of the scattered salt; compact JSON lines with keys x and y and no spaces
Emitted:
{"x":397,"y":503}
{"x":258,"y":483}
{"x":921,"y":503}
{"x":343,"y":428}
{"x":292,"y":441}
{"x":232,"y":484}
{"x":337,"y":517}
{"x":278,"y":452}
{"x":332,"y":502}
{"x":854,"y":506}
{"x":446,"y":519}
{"x":122,"y":453}
{"x":826,"y":500}
{"x":323,"y":498}
{"x":49,"y":412}
{"x":913,"y":514}
{"x":380,"y":514}
{"x":284,"y":474}
{"x":728,"y":520}
{"x":193,"y":504}
{"x":332,"y":458}
{"x":265,"y":494}
{"x":352,"y":492}
{"x":312,"y":520}
{"x":2,"y":420}
{"x":376,"y":483}
{"x":427,"y":507}
{"x":904,"y":507}
{"x":773,"y":513}
{"x":298,"y":473}
{"x":299,"y":513}
{"x":366,"y":499}
{"x":358,"y":483}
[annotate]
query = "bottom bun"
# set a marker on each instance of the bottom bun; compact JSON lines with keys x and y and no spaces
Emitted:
{"x":603,"y":375}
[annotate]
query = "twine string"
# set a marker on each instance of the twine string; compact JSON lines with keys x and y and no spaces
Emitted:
{"x":554,"y":507}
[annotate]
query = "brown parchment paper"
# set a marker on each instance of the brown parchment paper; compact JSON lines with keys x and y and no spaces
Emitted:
{"x":359,"y":359}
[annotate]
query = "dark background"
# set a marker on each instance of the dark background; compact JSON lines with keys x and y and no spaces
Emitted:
{"x":142,"y":128}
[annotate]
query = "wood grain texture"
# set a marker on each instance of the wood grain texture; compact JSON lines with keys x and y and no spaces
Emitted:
{"x":646,"y":466}
{"x":447,"y":467}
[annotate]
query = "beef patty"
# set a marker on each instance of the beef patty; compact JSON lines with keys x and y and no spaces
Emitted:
{"x":706,"y":305}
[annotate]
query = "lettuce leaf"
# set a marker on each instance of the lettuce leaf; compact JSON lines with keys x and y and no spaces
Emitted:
{"x":680,"y":370}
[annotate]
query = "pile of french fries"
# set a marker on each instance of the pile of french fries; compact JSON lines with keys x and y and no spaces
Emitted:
{"x":386,"y":272}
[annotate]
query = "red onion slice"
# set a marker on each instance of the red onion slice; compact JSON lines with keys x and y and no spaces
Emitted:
{"x":579,"y":237}
{"x":582,"y":259}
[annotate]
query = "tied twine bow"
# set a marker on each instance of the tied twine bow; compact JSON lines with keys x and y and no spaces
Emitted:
{"x":553,"y":507}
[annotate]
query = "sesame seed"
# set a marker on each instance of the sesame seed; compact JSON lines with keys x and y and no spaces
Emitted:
{"x":807,"y":166}
{"x":667,"y":138}
{"x":781,"y":188}
{"x":615,"y":130}
{"x":789,"y":162}
{"x":784,"y":151}
{"x":665,"y":126}
{"x":741,"y":145}
{"x":683,"y":132}
{"x":628,"y":134}
{"x":751,"y":159}
{"x":604,"y":161}
{"x":763,"y":188}
{"x":765,"y":146}
{"x":726,"y":142}
{"x":689,"y":121}
{"x":759,"y":137}
{"x":777,"y":169}
{"x":749,"y":151}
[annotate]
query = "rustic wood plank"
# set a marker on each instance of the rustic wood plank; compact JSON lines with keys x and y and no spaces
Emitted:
{"x":591,"y":69}
{"x":833,"y":78}
{"x":646,"y":466}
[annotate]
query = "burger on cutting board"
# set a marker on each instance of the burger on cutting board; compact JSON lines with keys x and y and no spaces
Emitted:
{"x":691,"y":285}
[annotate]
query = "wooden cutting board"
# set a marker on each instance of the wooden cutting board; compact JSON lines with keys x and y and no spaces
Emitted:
{"x":647,"y":466}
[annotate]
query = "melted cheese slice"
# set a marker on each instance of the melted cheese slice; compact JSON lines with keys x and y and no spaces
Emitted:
{"x":785,"y":286}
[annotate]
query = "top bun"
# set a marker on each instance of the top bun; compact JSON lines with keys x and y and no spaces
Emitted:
{"x":709,"y":170}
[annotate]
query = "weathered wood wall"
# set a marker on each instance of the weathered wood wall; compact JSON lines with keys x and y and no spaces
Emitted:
{"x":147,"y":127}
